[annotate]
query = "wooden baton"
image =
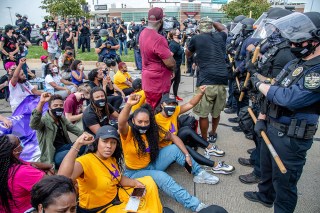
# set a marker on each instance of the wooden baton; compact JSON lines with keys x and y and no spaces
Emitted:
{"x":269,"y":145}
{"x":244,"y":85}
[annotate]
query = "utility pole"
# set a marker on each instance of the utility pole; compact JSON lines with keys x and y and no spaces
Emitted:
{"x":10,"y":14}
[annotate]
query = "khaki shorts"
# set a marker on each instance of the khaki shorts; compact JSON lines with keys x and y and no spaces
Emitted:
{"x":212,"y":102}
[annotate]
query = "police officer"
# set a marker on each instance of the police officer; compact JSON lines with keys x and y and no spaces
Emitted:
{"x":293,"y":112}
{"x":20,"y":23}
{"x":275,"y":54}
{"x":26,"y":31}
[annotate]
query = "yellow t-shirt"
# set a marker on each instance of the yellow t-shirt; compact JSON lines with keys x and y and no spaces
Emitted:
{"x":120,"y":79}
{"x":142,"y":101}
{"x":130,"y":151}
{"x":169,"y":124}
{"x":97,"y":187}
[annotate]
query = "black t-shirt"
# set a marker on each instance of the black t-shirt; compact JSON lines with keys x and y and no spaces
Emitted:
{"x":4,"y":91}
{"x":93,"y":85}
{"x":60,"y":139}
{"x":74,"y":29}
{"x":84,"y":31}
{"x":177,"y":50}
{"x":52,"y":24}
{"x":122,"y":35}
{"x":9,"y":43}
{"x":67,"y":43}
{"x":210,"y":52}
{"x":90,"y":118}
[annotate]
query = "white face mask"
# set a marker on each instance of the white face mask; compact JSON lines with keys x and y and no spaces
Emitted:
{"x":70,"y":29}
{"x":55,"y":70}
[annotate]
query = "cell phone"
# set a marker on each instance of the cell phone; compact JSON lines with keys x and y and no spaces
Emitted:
{"x":138,"y":192}
{"x":188,"y":167}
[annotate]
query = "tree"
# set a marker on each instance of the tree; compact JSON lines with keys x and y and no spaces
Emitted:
{"x":243,"y":7}
{"x":65,"y":8}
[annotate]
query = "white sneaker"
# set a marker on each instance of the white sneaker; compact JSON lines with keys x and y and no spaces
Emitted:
{"x":215,"y":151}
{"x":201,"y":206}
{"x":205,"y":177}
{"x":223,"y":168}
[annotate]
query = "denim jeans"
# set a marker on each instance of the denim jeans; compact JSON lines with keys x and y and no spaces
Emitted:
{"x":123,"y":46}
{"x":138,"y":59}
{"x":62,"y":152}
{"x":166,"y":183}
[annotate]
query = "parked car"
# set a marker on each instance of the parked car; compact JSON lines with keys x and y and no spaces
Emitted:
{"x":35,"y":37}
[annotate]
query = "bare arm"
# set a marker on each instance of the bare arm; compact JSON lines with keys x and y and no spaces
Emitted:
{"x":76,"y":76}
{"x":94,"y":128}
{"x":193,"y":102}
{"x":73,"y":118}
{"x":15,"y":76}
{"x":220,"y":27}
{"x":170,"y":63}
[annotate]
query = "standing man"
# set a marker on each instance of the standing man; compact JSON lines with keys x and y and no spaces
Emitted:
{"x":210,"y":49}
{"x":20,"y":23}
{"x":122,"y":35}
{"x":157,"y":61}
{"x":8,"y":45}
{"x":84,"y":35}
{"x":26,"y":31}
{"x":292,"y":114}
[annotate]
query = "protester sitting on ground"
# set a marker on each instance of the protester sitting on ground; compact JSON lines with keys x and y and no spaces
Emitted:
{"x":100,"y":171}
{"x":167,"y":119}
{"x":64,"y":63}
{"x":73,"y":105}
{"x":10,"y":67}
{"x":53,"y":194}
{"x":16,"y":177}
{"x":44,"y":62}
{"x":19,"y":87}
{"x":97,"y":79}
{"x":77,"y":73}
{"x":52,"y":129}
{"x":123,"y":79}
{"x":137,"y":86}
{"x":99,"y":112}
{"x":6,"y":122}
{"x":140,"y":142}
{"x":55,"y":84}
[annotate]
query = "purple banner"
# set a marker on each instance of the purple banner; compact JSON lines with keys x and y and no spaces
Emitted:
{"x":21,"y":128}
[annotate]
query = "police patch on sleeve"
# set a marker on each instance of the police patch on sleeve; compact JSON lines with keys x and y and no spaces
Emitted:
{"x":312,"y":81}
{"x":297,"y":71}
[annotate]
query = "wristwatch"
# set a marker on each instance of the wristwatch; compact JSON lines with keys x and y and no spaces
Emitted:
{"x":267,"y":81}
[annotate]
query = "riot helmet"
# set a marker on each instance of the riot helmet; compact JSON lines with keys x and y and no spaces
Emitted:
{"x":103,"y":33}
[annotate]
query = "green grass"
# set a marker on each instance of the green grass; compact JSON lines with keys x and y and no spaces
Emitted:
{"x":36,"y":51}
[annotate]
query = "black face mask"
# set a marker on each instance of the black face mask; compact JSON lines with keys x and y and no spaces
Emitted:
{"x":169,"y":110}
{"x":179,"y":36}
{"x":141,"y":129}
{"x":302,"y":52}
{"x":57,"y":112}
{"x":100,"y":103}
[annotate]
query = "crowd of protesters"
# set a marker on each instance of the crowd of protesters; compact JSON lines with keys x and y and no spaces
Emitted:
{"x":130,"y":130}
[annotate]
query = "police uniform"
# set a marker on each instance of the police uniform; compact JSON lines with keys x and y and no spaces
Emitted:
{"x":292,"y":115}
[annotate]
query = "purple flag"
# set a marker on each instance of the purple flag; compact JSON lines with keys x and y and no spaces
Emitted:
{"x":21,"y":128}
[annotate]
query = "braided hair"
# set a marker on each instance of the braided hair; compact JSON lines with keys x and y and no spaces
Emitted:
{"x":152,"y":133}
{"x":7,"y":160}
{"x":96,"y":110}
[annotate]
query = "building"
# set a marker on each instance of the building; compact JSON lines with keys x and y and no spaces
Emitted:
{"x":179,"y":9}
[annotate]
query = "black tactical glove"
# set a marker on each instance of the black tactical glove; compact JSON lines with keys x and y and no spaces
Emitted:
{"x":260,"y":126}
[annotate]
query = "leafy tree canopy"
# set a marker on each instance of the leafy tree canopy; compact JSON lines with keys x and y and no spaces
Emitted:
{"x":64,"y":8}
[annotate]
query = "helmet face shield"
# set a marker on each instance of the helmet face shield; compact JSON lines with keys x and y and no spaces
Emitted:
{"x":261,"y":31}
{"x":296,"y":27}
{"x":236,"y":30}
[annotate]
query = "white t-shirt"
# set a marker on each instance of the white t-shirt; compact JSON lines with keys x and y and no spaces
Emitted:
{"x":52,"y":45}
{"x":50,"y":79}
{"x":18,"y":93}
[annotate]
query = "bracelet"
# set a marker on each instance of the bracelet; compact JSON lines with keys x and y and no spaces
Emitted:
{"x":52,"y":167}
{"x":75,"y":148}
{"x":187,"y":155}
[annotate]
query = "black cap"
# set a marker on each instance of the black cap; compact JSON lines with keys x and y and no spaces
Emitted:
{"x":8,"y":27}
{"x":168,"y":99}
{"x":136,"y":84}
{"x":107,"y":131}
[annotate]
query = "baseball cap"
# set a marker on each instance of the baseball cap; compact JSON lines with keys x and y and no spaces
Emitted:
{"x":43,"y":57}
{"x":136,"y":84}
{"x":155,"y":14}
{"x":168,"y":99}
{"x":107,"y":131}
